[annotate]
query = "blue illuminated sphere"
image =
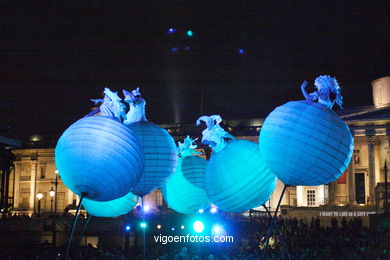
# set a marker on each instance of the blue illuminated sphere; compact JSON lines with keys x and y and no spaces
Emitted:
{"x":100,"y":156}
{"x":111,"y":208}
{"x":237,"y":178}
{"x":184,"y":192}
{"x":160,"y":156}
{"x":305,"y":143}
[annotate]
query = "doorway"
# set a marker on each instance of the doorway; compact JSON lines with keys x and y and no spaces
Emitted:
{"x":360,"y":188}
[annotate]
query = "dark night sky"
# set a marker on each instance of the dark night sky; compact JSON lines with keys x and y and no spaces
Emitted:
{"x":55,"y":56}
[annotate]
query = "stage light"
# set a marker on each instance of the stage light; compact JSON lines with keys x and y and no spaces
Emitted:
{"x":127,"y":227}
{"x":143,"y":224}
{"x":174,"y":49}
{"x":201,"y":210}
{"x":173,"y":229}
{"x":217,"y":229}
{"x":146,"y":208}
{"x":171,"y":30}
{"x":187,"y":48}
{"x":190,"y":33}
{"x":241,"y":51}
{"x":213,"y":210}
{"x":158,"y":226}
{"x":182,"y":227}
{"x":198,"y":226}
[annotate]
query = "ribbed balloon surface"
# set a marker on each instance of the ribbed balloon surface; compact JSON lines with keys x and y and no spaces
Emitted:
{"x":237,"y":178}
{"x":305,"y":143}
{"x":100,"y":156}
{"x":160,"y":156}
{"x":184,"y":192}
{"x":111,"y":208}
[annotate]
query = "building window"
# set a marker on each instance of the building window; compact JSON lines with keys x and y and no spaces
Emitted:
{"x":356,"y":157}
{"x":311,"y":197}
{"x":43,"y":171}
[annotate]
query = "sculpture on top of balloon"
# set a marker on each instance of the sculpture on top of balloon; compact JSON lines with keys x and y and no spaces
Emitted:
{"x":158,"y":145}
{"x":185,"y":192}
{"x":236,"y":177}
{"x":98,"y":156}
{"x":305,"y":142}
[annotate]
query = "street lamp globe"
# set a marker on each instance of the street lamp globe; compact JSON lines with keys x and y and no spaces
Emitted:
{"x":52,"y":192}
{"x":39,"y":195}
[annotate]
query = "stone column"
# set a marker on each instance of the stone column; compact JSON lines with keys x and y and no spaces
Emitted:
{"x":371,"y":168}
{"x":17,"y":185}
{"x":351,"y":182}
{"x":34,"y":166}
{"x":332,"y":192}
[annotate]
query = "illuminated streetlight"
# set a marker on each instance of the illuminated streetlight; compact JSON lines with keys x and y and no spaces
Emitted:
{"x":39,"y":197}
{"x":52,"y":193}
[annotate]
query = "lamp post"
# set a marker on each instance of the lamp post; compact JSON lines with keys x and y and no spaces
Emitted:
{"x":52,"y":193}
{"x":55,"y":182}
{"x":39,"y":197}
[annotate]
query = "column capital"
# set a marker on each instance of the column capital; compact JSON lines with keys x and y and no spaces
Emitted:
{"x":371,"y":139}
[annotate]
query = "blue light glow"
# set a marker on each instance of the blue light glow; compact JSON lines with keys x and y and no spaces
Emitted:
{"x":237,"y":178}
{"x":190,"y":33}
{"x":79,"y":153}
{"x":198,"y":226}
{"x":111,"y":208}
{"x":174,"y":49}
{"x":305,"y":143}
{"x":187,"y":48}
{"x":201,"y":211}
{"x":241,"y":51}
{"x":173,"y":229}
{"x":143,"y":225}
{"x":213,"y":210}
{"x":160,"y":153}
{"x":217,"y":229}
{"x":127,"y":227}
{"x":171,"y":30}
{"x":185,"y":192}
{"x":146,"y":208}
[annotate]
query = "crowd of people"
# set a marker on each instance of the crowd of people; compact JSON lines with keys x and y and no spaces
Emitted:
{"x":343,"y":239}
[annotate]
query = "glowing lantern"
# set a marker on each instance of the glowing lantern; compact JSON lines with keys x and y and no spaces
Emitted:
{"x":158,"y":145}
{"x":237,"y":178}
{"x":111,"y":208}
{"x":185,"y":192}
{"x":305,"y":143}
{"x":160,"y":156}
{"x":100,"y":156}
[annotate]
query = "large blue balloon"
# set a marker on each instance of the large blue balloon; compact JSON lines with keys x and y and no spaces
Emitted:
{"x":237,"y":178}
{"x":185,"y":192}
{"x":111,"y":208}
{"x":160,"y":156}
{"x":100,"y":156}
{"x":305,"y":143}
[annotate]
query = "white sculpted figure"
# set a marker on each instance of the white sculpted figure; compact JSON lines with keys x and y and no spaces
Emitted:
{"x":214,"y":135}
{"x":188,"y":147}
{"x":111,"y":105}
{"x":328,"y":91}
{"x":137,"y":107}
